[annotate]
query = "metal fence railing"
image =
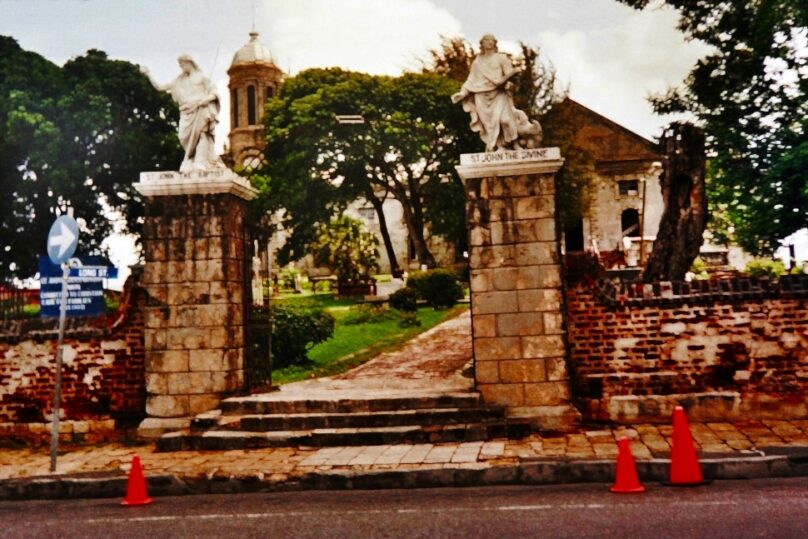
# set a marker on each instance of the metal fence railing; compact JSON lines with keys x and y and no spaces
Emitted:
{"x":12,"y":303}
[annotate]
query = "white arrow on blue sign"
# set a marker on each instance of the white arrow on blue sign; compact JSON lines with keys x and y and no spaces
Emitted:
{"x":62,"y":239}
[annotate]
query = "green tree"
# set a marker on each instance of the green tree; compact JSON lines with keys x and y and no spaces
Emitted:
{"x":404,"y":149}
{"x":749,"y":94}
{"x":346,"y":248}
{"x":77,"y":137}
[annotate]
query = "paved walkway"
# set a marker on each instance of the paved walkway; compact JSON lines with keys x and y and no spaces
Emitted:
{"x":435,"y":356}
{"x":431,"y":363}
{"x":283,"y":464}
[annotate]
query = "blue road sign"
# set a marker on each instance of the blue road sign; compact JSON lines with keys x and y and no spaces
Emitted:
{"x":85,"y":294}
{"x":83,"y":268}
{"x":62,"y":239}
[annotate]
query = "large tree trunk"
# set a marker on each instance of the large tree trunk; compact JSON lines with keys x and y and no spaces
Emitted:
{"x":416,"y":229}
{"x":378,"y":205}
{"x":424,"y":254}
{"x":413,"y":218}
{"x":684,"y":218}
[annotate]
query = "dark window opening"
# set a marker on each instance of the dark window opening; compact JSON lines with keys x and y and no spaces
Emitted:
{"x":630,"y":222}
{"x":461,"y":249}
{"x":270,"y":92}
{"x":368,"y":214}
{"x":251,"y":105}
{"x":574,"y":237}
{"x":629,"y":187}
{"x":234,"y":99}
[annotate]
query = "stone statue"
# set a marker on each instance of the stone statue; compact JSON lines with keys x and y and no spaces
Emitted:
{"x":484,"y":96}
{"x":199,"y":108}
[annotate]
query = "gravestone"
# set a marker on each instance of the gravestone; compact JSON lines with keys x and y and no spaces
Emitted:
{"x":516,"y":284}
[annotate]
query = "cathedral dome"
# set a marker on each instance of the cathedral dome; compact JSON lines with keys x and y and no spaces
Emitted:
{"x":254,"y":51}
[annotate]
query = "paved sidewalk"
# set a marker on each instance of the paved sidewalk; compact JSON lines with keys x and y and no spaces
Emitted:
{"x":278,"y":465}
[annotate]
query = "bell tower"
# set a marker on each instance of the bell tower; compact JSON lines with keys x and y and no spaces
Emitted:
{"x":254,"y":78}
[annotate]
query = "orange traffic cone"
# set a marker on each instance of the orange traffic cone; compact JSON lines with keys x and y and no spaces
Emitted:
{"x":626,"y":480}
{"x":685,"y":469}
{"x":136,"y":486}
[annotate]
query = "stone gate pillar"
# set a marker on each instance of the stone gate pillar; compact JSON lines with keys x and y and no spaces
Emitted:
{"x":195,"y":277}
{"x":516,"y":288}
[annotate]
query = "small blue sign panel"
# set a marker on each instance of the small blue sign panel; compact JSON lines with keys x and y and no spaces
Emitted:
{"x":85,"y":286}
{"x":62,"y":239}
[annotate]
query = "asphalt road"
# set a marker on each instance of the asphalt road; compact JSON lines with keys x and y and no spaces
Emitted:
{"x":762,"y":508}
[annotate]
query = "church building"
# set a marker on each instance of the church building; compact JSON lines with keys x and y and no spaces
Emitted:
{"x":623,"y":199}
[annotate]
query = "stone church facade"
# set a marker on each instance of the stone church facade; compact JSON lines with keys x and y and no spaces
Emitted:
{"x":623,"y":199}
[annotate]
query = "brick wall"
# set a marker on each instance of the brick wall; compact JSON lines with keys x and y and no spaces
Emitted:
{"x":724,"y":349}
{"x":102,"y":379}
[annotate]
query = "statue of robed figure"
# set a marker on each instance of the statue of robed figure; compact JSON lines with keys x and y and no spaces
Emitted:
{"x":484,"y":96}
{"x":199,"y":110}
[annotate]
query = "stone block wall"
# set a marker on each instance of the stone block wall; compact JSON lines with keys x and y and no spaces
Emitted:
{"x":731,"y":349}
{"x":516,"y":295}
{"x":102,"y":377}
{"x":194,"y":275}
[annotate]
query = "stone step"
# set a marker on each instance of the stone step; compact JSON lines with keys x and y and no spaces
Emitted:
{"x":272,"y":404}
{"x":413,"y":434}
{"x":435,"y":416}
{"x":221,"y":440}
{"x":206,"y":421}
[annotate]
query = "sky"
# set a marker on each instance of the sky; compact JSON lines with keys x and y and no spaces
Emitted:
{"x":611,"y":56}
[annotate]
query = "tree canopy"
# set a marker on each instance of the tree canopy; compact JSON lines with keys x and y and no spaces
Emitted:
{"x":345,"y":247}
{"x":404,"y":149}
{"x":405,"y":146}
{"x":75,"y":136}
{"x":750,"y":96}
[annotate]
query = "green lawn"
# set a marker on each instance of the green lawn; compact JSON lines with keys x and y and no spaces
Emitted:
{"x":353,"y":344}
{"x":326,"y":301}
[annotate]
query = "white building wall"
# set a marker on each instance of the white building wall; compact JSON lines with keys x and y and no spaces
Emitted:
{"x":394,"y":217}
{"x":606,"y":205}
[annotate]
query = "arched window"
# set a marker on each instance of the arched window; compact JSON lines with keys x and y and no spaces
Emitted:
{"x":251,"y":105}
{"x":630,"y":222}
{"x":270,"y":92}
{"x":234,"y":100}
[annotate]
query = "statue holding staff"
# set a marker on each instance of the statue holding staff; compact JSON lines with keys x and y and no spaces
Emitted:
{"x":199,"y":110}
{"x":484,"y":96}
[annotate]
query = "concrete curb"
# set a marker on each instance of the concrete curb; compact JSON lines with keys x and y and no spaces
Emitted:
{"x":526,"y":472}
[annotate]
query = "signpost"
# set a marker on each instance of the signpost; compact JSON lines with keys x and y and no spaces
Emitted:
{"x":85,"y":295}
{"x":62,"y":240}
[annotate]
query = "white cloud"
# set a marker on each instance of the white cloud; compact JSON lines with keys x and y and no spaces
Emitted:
{"x":364,"y":35}
{"x":613,"y":69}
